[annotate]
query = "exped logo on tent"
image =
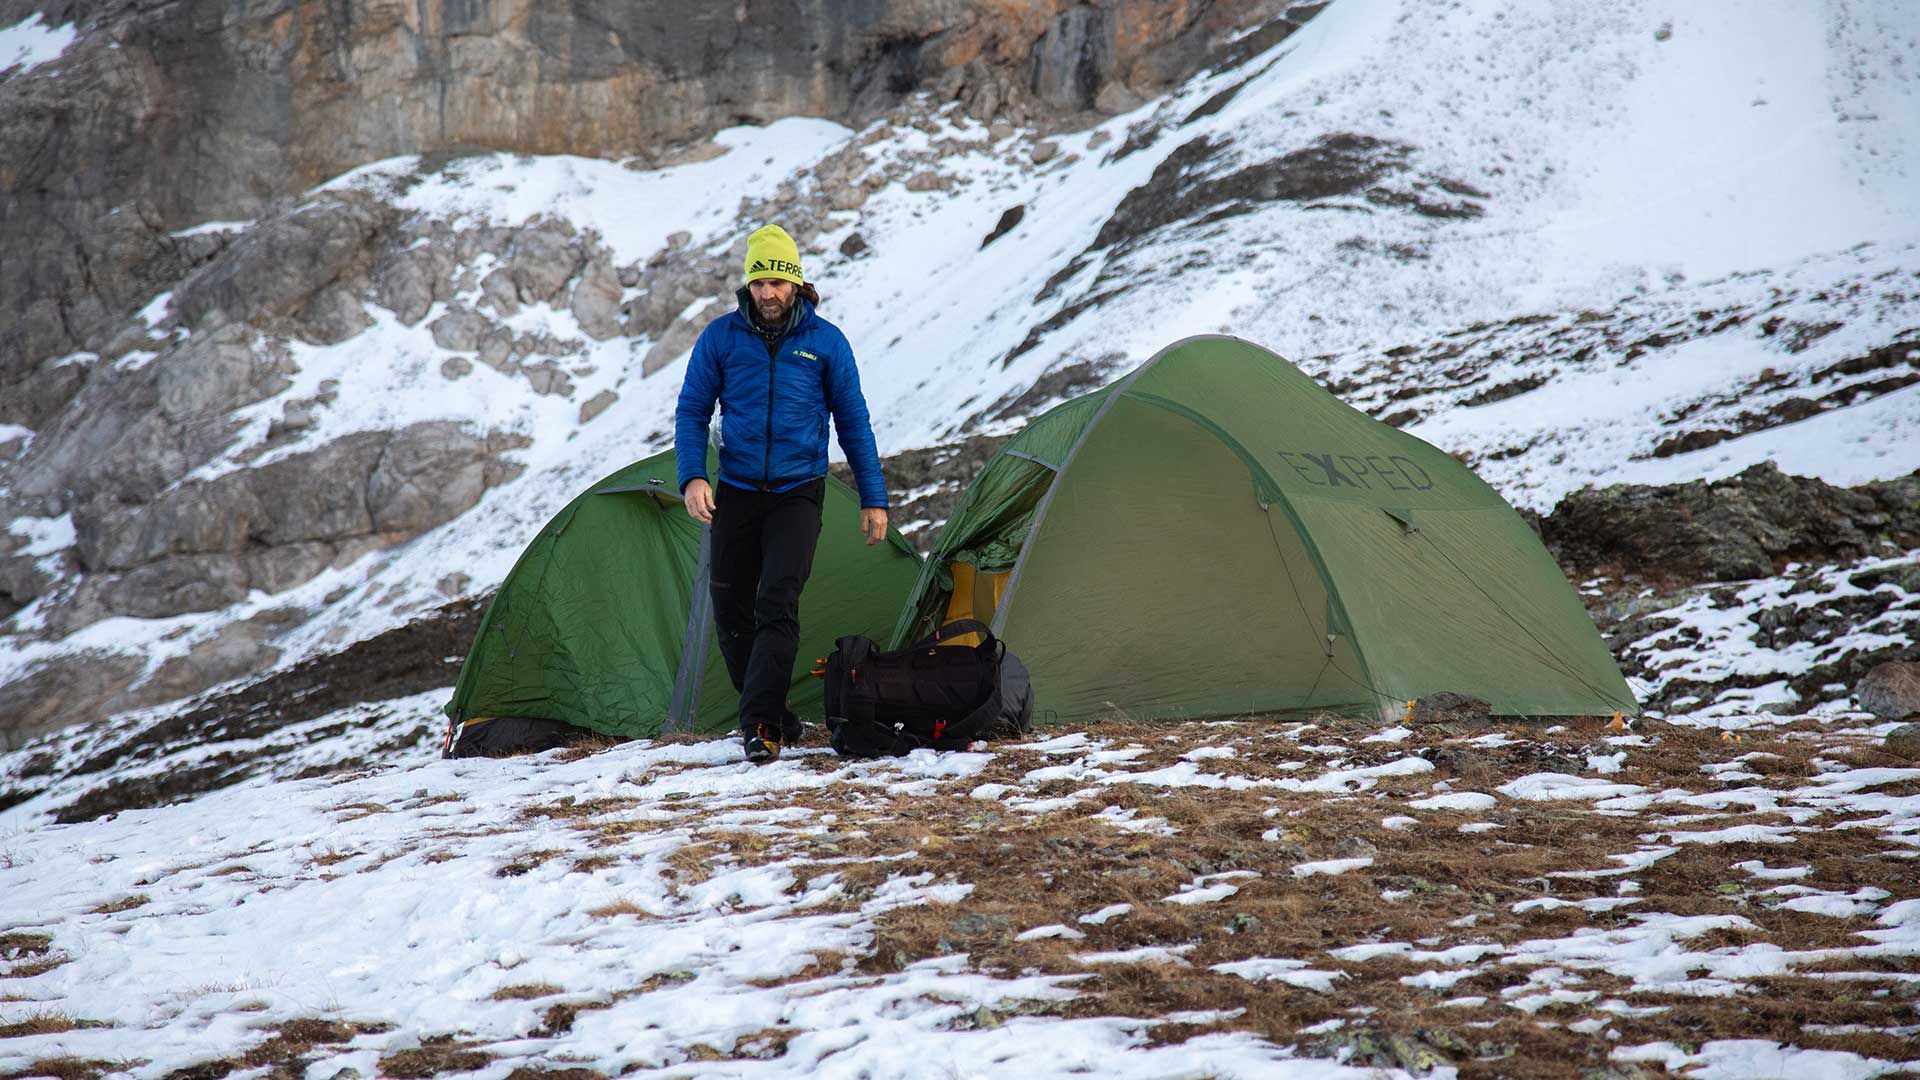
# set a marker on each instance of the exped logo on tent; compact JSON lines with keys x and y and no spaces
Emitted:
{"x":1331,"y":470}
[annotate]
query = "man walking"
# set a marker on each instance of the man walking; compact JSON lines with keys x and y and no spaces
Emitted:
{"x":778,"y":370}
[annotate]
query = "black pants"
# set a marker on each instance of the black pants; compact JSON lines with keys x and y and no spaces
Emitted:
{"x":762,"y":553}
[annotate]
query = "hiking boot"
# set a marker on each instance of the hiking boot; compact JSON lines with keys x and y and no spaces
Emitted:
{"x":759,"y":748}
{"x":792,"y":731}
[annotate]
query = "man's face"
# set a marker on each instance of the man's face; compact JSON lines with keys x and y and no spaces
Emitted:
{"x":772,"y":299}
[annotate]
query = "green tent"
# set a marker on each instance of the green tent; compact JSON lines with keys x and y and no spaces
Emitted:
{"x":605,"y":622}
{"x":1217,"y":535}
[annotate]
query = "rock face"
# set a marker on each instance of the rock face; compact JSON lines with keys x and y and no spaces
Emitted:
{"x":1891,"y":691}
{"x":1729,"y":529}
{"x":167,"y":115}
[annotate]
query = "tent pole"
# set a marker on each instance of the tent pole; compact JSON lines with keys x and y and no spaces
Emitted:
{"x":693,"y":644}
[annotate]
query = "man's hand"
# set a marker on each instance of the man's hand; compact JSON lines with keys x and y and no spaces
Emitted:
{"x":699,"y":496}
{"x":873,"y":522}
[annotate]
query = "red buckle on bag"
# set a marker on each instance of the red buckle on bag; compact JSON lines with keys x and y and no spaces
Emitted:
{"x":938,"y":727}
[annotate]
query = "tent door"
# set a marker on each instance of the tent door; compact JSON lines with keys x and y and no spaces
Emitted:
{"x":976,"y":595}
{"x":693,"y":644}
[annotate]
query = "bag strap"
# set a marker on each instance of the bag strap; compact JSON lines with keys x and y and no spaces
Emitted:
{"x":955,"y":629}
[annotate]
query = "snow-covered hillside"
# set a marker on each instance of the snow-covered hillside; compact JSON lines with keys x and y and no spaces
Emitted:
{"x":1589,"y":224}
{"x":1574,"y":244}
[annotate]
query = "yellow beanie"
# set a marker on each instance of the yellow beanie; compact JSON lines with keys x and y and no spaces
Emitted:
{"x":771,"y":253}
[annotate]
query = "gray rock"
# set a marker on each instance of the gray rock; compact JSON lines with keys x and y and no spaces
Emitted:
{"x":218,"y":516}
{"x":173,"y":586}
{"x":496,"y":350}
{"x":1355,"y":847}
{"x":542,"y":259}
{"x":235,"y":651}
{"x":427,"y":475}
{"x":213,"y":374}
{"x":1447,"y":707}
{"x":500,"y":291}
{"x":50,"y":695}
{"x":456,"y":367}
{"x":332,"y":316}
{"x":1730,"y":529}
{"x":596,"y":300}
{"x":1905,"y":739}
{"x":928,"y":180}
{"x":1044,"y":151}
{"x":275,"y":267}
{"x":546,"y":377}
{"x":975,"y":931}
{"x":318,"y":495}
{"x":460,"y":330}
{"x":283,"y":566}
{"x":1891,"y":691}
{"x":157,"y":122}
{"x":404,"y":286}
{"x":597,"y":404}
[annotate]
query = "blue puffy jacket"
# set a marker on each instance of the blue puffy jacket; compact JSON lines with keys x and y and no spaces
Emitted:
{"x":775,"y":397}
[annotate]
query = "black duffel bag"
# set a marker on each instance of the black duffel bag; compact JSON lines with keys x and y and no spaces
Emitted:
{"x":928,"y":695}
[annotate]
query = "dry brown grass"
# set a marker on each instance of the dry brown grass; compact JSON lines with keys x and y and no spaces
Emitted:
{"x":37,"y":964}
{"x":125,"y":903}
{"x":334,"y":856}
{"x":46,"y":1022}
{"x":1031,"y":870}
{"x":435,"y":1055}
{"x":67,"y":1067}
{"x":618,"y":908}
{"x":526,"y":991}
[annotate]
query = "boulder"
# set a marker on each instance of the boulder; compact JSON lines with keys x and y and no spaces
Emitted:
{"x":274,"y":268}
{"x":1905,"y":740}
{"x":460,"y":330}
{"x":597,"y":404}
{"x":332,"y":316}
{"x":1891,"y":691}
{"x":546,"y":377}
{"x":596,"y":300}
{"x":53,"y":694}
{"x":172,"y":586}
{"x":1728,"y":530}
{"x":427,"y":475}
{"x":499,"y":290}
{"x":1447,"y":707}
{"x":542,"y":259}
{"x":404,"y":286}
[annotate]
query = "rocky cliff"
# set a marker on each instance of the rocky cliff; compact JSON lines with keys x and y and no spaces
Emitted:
{"x":164,"y":115}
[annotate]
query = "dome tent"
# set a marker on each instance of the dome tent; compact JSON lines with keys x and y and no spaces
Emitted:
{"x":605,"y":623}
{"x":1216,"y":534}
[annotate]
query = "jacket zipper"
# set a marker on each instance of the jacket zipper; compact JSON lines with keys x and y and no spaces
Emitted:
{"x":766,"y":464}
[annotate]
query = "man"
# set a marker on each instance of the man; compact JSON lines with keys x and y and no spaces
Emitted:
{"x":778,"y":370}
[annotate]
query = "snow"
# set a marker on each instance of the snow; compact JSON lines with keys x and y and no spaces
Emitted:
{"x":27,"y":45}
{"x":1722,"y":1059}
{"x":1455,"y":800}
{"x":1641,"y":163}
{"x":1106,"y":914}
{"x":1291,"y":972}
{"x":1329,"y":866}
{"x":701,"y":197}
{"x":1546,"y":786}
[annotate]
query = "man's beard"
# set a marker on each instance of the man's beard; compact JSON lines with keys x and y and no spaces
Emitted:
{"x":772,"y":311}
